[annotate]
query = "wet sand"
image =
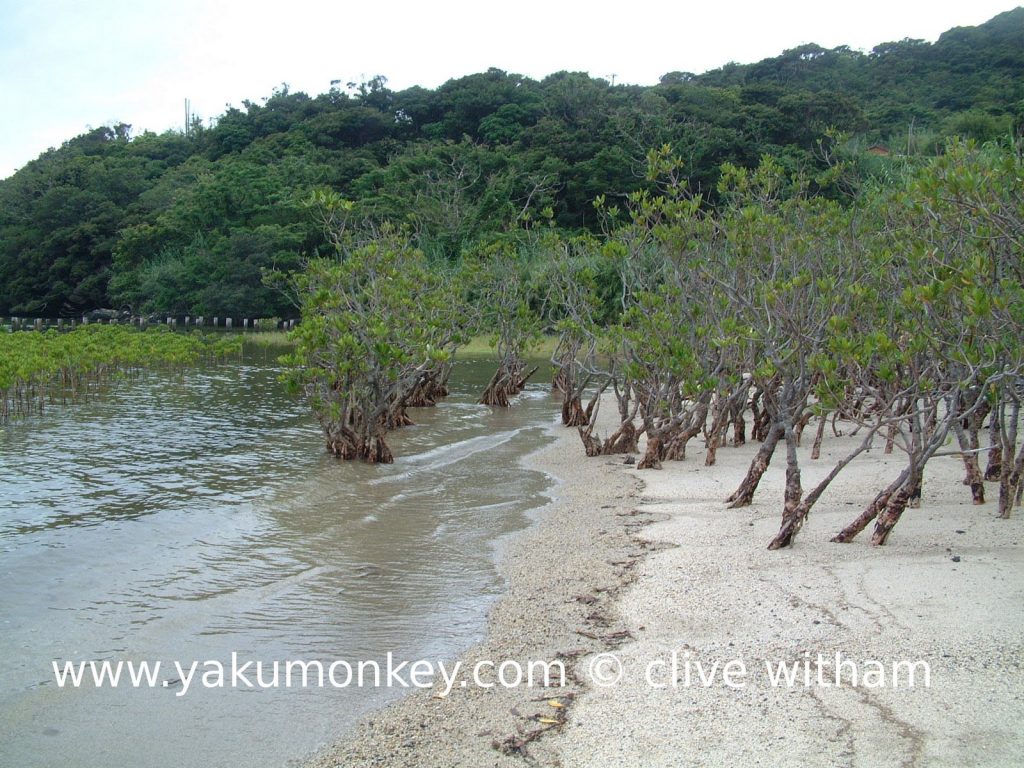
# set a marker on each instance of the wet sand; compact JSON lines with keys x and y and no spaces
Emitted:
{"x":698,"y":585}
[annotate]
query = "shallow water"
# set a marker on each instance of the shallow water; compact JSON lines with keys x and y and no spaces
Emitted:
{"x":186,"y":518}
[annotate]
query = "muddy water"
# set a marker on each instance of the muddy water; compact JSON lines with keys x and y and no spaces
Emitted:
{"x":190,"y":518}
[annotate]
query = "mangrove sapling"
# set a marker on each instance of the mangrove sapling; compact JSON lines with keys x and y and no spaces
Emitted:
{"x":624,"y":438}
{"x":373,"y":325}
{"x":836,"y":347}
{"x":1007,"y":416}
{"x":966,"y":433}
{"x":593,"y":445}
{"x":994,"y":466}
{"x":669,"y":360}
{"x":729,"y":404}
{"x":819,"y":435}
{"x":692,"y":424}
{"x":788,"y":311}
{"x":922,"y":446}
{"x":516,"y":328}
{"x":798,"y":506}
{"x":760,"y":420}
{"x":829,"y":394}
{"x":574,"y":309}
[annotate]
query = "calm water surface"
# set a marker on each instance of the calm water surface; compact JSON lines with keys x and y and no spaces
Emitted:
{"x":189,"y":518}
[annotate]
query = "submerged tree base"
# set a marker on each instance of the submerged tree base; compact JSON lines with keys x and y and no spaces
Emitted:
{"x":507,"y":382}
{"x":372,"y":451}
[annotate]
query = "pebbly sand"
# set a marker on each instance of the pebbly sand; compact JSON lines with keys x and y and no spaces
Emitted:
{"x":650,"y":566}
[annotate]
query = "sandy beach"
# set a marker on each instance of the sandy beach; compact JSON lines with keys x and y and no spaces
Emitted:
{"x":715,"y":651}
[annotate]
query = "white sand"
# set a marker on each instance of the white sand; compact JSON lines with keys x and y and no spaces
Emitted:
{"x":721,"y":595}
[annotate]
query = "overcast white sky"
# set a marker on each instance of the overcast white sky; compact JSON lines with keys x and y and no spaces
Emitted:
{"x":68,"y":65}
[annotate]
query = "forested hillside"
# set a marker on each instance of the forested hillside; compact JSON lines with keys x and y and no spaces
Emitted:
{"x":187,"y":223}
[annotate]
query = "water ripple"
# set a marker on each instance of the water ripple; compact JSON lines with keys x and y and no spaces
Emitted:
{"x":185,"y":517}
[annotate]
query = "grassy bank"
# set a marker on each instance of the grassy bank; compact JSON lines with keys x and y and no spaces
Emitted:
{"x":479,"y":346}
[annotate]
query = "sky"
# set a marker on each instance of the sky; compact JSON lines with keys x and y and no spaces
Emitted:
{"x":67,"y":65}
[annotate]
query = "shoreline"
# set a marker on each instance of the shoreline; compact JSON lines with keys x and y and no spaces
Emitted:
{"x":563,"y":574}
{"x":650,"y":563}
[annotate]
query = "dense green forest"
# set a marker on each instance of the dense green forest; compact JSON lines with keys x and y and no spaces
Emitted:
{"x":190,"y":222}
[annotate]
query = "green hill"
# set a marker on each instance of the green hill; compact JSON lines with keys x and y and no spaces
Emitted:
{"x":185,"y":223}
